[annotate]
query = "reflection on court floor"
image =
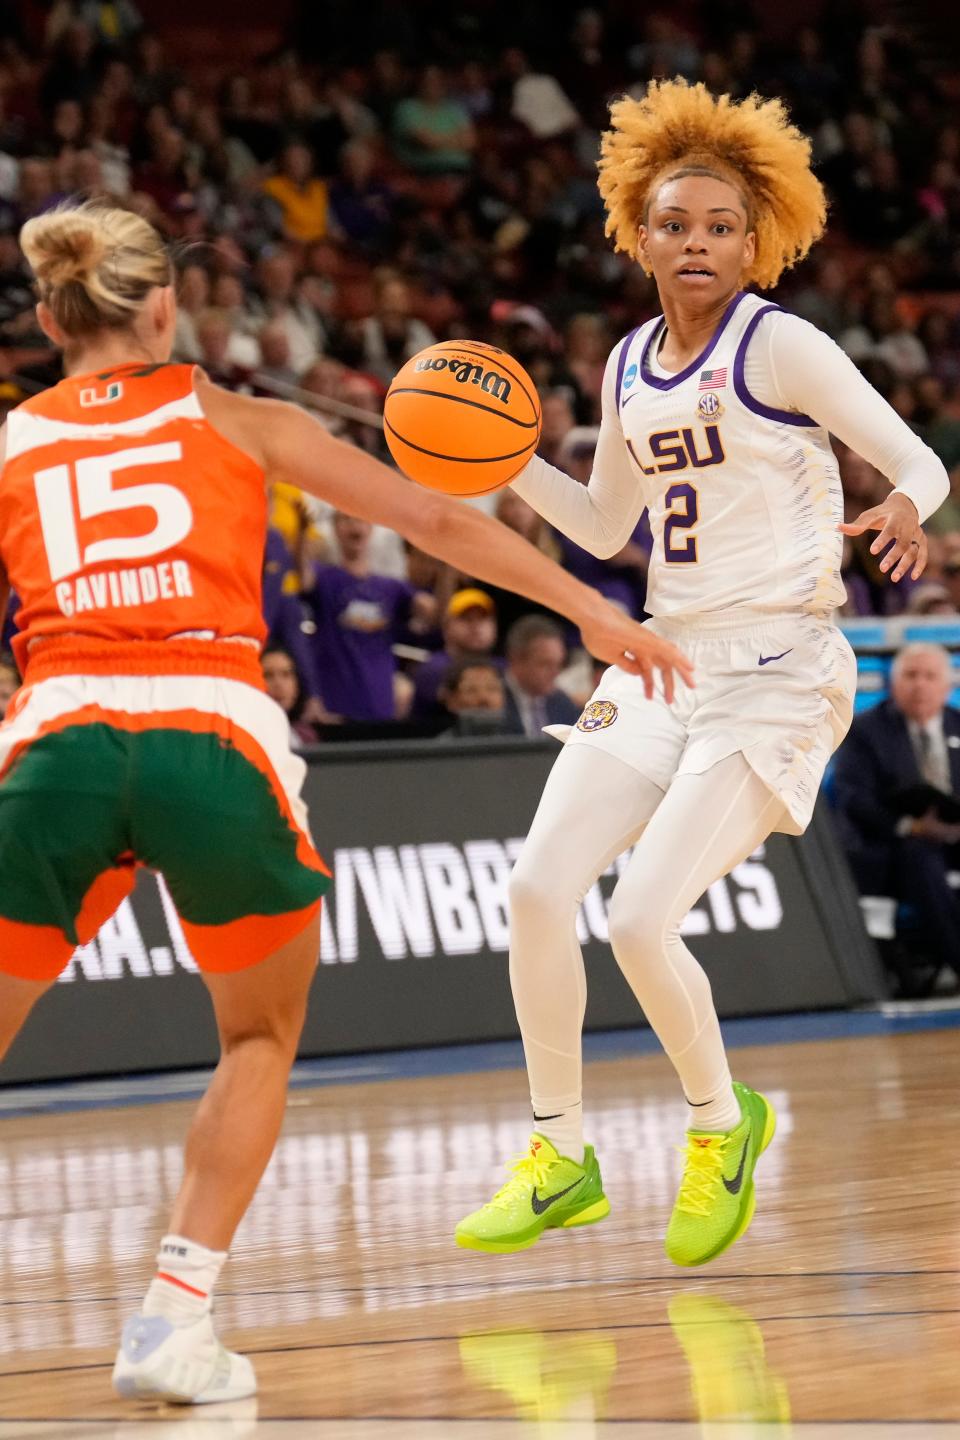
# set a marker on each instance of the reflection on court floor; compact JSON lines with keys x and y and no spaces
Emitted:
{"x":836,"y":1315}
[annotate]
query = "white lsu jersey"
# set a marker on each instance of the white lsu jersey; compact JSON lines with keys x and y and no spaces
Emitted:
{"x":744,"y":500}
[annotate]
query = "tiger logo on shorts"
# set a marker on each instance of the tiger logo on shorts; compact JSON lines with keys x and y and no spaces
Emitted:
{"x":598,"y":715}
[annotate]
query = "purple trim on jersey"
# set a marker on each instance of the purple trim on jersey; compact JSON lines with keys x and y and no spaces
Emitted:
{"x":655,"y":381}
{"x":622,"y":363}
{"x":783,"y":417}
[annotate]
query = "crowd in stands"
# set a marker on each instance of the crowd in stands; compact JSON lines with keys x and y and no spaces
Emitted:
{"x":338,"y":206}
{"x":896,"y":796}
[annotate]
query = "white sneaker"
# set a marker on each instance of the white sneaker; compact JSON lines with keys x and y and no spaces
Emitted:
{"x":185,"y":1364}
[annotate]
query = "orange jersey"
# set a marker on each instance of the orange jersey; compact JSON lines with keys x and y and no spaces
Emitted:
{"x":125,"y":516}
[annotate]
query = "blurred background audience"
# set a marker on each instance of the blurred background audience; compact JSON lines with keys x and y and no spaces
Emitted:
{"x":895,"y":786}
{"x":536,"y":654}
{"x":337,"y":203}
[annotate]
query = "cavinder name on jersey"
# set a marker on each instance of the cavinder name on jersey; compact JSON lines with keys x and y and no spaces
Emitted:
{"x":144,"y":585}
{"x":744,"y":500}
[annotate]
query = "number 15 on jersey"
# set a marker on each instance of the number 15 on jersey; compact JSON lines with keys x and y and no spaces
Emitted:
{"x":96,"y":496}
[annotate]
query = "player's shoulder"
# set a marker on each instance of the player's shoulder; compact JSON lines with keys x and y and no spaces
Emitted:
{"x":785,"y":328}
{"x":623,"y":355}
{"x":247,"y":421}
{"x":634,"y":334}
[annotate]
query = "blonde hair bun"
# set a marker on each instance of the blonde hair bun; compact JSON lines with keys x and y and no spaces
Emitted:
{"x":94,"y":265}
{"x":63,"y":247}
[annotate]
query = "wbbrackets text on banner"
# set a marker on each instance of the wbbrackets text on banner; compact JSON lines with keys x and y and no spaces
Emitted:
{"x":415,"y":933}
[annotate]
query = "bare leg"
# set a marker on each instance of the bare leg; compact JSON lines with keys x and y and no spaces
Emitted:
{"x":170,"y":1350}
{"x":260,"y":1014}
{"x":17,"y":999}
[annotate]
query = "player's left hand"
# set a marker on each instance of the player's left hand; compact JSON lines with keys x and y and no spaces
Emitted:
{"x":899,"y":525}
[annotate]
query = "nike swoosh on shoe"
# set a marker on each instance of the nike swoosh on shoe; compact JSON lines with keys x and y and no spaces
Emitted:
{"x":539,"y":1206}
{"x":733,"y":1186}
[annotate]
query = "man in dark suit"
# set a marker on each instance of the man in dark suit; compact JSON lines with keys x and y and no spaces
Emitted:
{"x":536,"y":653}
{"x":911,"y":739}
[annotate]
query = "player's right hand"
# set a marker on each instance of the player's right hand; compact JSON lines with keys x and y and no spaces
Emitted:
{"x":612,"y":636}
{"x":897,"y":520}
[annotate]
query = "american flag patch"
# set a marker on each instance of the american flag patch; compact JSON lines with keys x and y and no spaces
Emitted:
{"x":713,"y":379}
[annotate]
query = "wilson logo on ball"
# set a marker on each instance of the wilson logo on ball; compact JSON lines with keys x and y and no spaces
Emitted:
{"x":462,"y":416}
{"x":464,"y":372}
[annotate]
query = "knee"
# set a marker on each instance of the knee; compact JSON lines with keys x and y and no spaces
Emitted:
{"x":274,"y":1033}
{"x":637,"y":927}
{"x":533,"y":899}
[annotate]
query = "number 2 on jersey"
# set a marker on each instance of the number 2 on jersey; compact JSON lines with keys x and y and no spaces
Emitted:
{"x":683,"y":504}
{"x":97,"y":496}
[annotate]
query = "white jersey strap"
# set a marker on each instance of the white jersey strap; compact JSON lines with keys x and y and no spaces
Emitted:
{"x":624,"y":378}
{"x":768,"y":412}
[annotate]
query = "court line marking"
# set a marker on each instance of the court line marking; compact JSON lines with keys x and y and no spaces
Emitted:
{"x":511,"y":1287}
{"x":575,"y":1427}
{"x":386,"y":1342}
{"x":50,"y":1097}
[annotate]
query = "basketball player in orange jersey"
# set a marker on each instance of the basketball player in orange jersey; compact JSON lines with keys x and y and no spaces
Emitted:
{"x":716,"y":419}
{"x":132,"y":525}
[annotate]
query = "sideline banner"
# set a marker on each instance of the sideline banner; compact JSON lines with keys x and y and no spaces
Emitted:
{"x":421,"y":838}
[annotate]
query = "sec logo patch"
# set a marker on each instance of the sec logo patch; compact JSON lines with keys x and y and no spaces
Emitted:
{"x":598,"y":715}
{"x":709,"y":407}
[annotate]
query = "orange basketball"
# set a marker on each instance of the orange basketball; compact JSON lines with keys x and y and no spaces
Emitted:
{"x":462,"y":417}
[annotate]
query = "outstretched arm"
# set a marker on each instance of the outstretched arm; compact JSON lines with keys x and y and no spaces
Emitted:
{"x":602,"y":515}
{"x":292,"y":446}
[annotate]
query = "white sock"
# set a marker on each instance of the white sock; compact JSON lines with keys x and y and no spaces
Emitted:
{"x":182,"y":1289}
{"x":721,"y":1112}
{"x":560,"y":1122}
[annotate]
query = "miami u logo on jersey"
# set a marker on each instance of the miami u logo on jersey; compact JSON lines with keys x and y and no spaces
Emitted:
{"x":91,"y":396}
{"x":672,"y":450}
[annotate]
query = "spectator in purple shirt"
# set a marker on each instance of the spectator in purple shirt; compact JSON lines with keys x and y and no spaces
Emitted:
{"x":469,"y":629}
{"x":359,"y":617}
{"x":361,"y":206}
{"x":288,"y":624}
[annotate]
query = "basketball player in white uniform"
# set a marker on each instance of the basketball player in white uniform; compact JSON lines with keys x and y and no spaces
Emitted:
{"x":716,"y":419}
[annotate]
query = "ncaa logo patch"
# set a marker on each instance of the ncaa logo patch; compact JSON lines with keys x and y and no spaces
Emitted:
{"x":629,"y":376}
{"x":598,"y":715}
{"x":709,"y":407}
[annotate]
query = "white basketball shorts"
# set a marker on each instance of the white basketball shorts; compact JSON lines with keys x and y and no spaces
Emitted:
{"x":780,"y":691}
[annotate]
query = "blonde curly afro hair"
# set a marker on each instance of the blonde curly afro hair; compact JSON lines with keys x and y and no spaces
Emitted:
{"x":678,"y":127}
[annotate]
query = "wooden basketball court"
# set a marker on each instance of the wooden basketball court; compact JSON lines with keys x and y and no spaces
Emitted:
{"x":841,"y":1306}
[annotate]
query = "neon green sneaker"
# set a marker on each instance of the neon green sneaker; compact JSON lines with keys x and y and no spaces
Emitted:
{"x":546,"y":1191}
{"x":716,"y":1200}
